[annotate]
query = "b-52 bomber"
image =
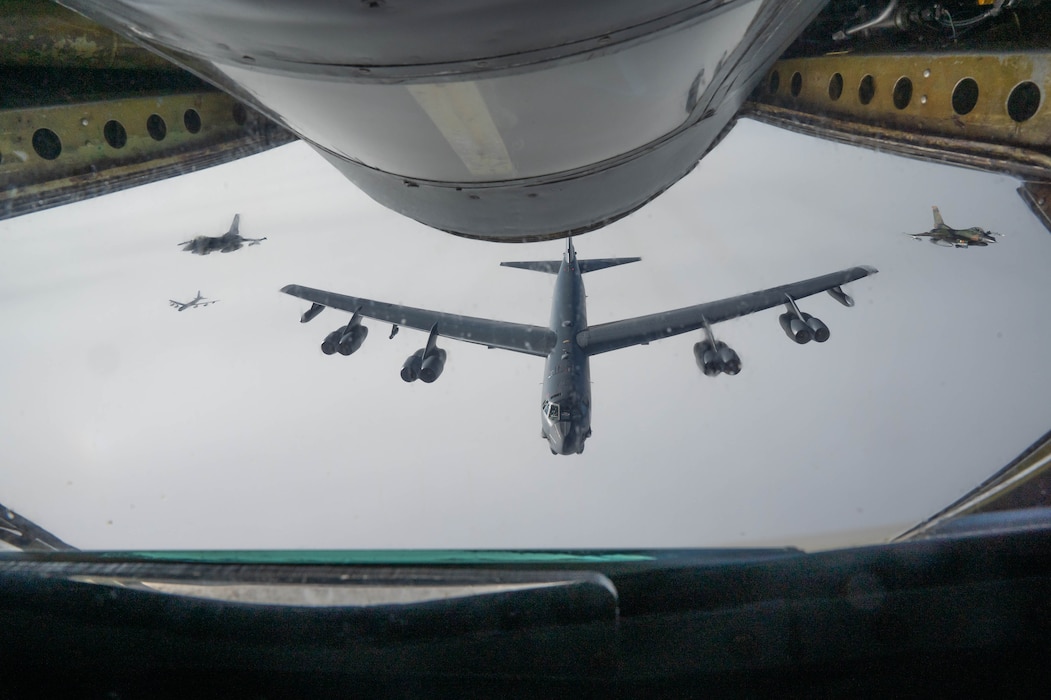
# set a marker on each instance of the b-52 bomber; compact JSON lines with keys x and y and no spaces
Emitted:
{"x":228,"y":242}
{"x":950,"y":237}
{"x":568,"y":342}
{"x":192,"y":303}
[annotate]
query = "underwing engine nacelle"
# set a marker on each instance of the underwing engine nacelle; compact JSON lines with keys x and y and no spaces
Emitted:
{"x":707,"y":358}
{"x":427,"y":363}
{"x":714,"y":356}
{"x":410,"y":370}
{"x":420,"y":365}
{"x":433,"y":365}
{"x":817,"y":327}
{"x":345,"y":339}
{"x":802,"y":327}
{"x":328,"y":345}
{"x":729,"y":358}
{"x":795,"y":328}
{"x":352,"y":339}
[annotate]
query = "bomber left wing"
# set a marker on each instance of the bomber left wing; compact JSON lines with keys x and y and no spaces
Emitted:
{"x":643,"y":329}
{"x":531,"y":340}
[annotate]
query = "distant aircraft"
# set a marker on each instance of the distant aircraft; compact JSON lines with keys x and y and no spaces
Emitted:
{"x":569,"y":341}
{"x":949,"y":237}
{"x":192,"y":303}
{"x":228,"y":242}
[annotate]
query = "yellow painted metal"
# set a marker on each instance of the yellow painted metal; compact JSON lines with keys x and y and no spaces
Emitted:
{"x":803,"y":85}
{"x":983,"y":110}
{"x":65,"y":78}
{"x":41,"y":33}
{"x":80,"y":129}
{"x":1037,"y":195}
{"x":89,"y":165}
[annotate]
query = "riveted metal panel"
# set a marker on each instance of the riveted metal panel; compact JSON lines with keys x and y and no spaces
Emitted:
{"x":997,"y":82}
{"x":199,"y":129}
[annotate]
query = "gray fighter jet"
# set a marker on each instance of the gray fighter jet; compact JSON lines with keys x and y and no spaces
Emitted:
{"x":192,"y":303}
{"x":949,"y":237}
{"x":568,"y":341}
{"x":226,"y":243}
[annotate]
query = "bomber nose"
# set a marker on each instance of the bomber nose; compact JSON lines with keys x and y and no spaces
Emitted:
{"x":559,"y":437}
{"x":566,"y":438}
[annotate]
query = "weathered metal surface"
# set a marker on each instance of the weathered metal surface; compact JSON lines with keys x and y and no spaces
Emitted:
{"x":988,"y":111}
{"x":84,"y":112}
{"x":53,"y":155}
{"x":1037,"y":195}
{"x":978,"y":101}
{"x":40,"y":33}
{"x":22,"y":533}
{"x":1024,"y":483}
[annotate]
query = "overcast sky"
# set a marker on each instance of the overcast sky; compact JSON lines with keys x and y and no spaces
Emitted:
{"x":125,"y":424}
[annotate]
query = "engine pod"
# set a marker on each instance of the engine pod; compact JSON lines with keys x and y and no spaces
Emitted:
{"x":527,"y":127}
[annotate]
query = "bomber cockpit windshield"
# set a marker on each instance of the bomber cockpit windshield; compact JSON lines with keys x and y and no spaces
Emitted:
{"x":552,"y":411}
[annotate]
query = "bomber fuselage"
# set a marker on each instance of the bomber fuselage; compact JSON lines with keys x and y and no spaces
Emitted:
{"x":566,"y":406}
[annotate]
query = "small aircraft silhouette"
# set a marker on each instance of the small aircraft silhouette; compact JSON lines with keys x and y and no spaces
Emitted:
{"x":192,"y":303}
{"x":228,"y":242}
{"x":950,"y":237}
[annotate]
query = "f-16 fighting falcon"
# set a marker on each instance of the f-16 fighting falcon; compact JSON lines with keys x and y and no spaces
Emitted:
{"x":568,"y":341}
{"x":192,"y":303}
{"x":949,"y":237}
{"x":226,"y":243}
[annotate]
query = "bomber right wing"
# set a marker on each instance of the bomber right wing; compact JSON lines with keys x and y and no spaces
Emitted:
{"x":643,"y":329}
{"x":518,"y":337}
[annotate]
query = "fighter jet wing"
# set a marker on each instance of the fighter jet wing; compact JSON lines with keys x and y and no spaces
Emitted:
{"x":531,"y":340}
{"x":643,"y":329}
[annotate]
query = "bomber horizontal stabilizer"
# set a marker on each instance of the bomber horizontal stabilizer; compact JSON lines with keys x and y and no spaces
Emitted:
{"x":603,"y":263}
{"x":548,"y":266}
{"x":551,"y":266}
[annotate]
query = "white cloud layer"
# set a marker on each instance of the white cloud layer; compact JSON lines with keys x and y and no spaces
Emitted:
{"x":125,"y":424}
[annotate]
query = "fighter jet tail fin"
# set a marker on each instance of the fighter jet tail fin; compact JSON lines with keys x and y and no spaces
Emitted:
{"x":235,"y":224}
{"x":552,"y":266}
{"x":937,"y":217}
